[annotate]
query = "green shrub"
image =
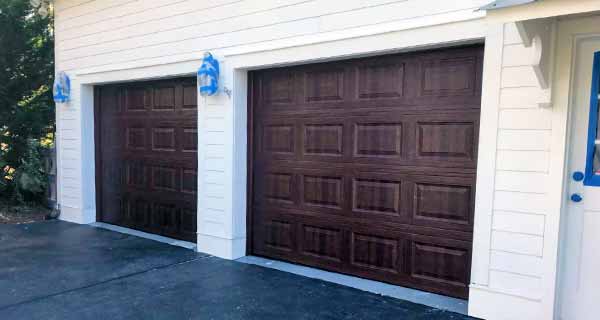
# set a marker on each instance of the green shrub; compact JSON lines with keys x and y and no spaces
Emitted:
{"x":26,"y":106}
{"x":31,"y":179}
{"x":28,"y":182}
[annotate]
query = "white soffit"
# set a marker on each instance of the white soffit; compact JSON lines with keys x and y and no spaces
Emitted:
{"x":499,"y":4}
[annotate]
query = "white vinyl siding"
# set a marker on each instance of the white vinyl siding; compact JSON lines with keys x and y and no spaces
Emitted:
{"x":105,"y":33}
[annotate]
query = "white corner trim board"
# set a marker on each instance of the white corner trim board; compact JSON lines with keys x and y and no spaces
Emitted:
{"x":486,"y":162}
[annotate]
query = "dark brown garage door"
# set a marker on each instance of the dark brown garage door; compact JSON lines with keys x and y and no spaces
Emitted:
{"x":146,"y":157}
{"x":367,"y":166}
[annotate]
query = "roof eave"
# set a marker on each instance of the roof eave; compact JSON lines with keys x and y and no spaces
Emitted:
{"x":499,"y":4}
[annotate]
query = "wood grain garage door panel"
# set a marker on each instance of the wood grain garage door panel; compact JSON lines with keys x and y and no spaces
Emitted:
{"x":146,"y":137}
{"x":367,"y":166}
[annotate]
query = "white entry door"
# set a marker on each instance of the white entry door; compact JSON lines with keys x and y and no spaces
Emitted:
{"x":580,"y":274}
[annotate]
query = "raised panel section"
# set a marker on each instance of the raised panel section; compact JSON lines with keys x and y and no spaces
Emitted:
{"x":445,"y":203}
{"x":136,"y":174}
{"x":165,"y":216}
{"x":164,"y":98}
{"x":278,"y":88}
{"x":322,"y":191}
{"x":440,"y":263}
{"x":135,"y":138}
{"x":164,"y":178}
{"x":278,"y":138}
{"x":449,"y":77}
{"x":188,"y":220}
{"x":381,"y":81}
{"x":446,"y":140}
{"x":190,"y":97}
{"x":323,"y":139}
{"x":324,"y":243}
{"x":163,"y":139}
{"x":189,"y":181}
{"x":123,"y":206}
{"x":324,"y":85}
{"x":278,"y":187}
{"x":119,"y":136}
{"x":111,"y":100}
{"x":139,"y":211}
{"x":378,"y":139}
{"x":135,"y":99}
{"x":189,"y":140}
{"x":278,"y":235}
{"x":112,"y":175}
{"x":376,"y":196}
{"x":374,"y":252}
{"x":126,"y":214}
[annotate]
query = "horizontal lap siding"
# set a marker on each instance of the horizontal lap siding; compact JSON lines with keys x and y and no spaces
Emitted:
{"x":529,"y":224}
{"x":524,"y":140}
{"x":213,"y":202}
{"x":68,"y":131}
{"x":101,"y":33}
{"x":521,"y":198}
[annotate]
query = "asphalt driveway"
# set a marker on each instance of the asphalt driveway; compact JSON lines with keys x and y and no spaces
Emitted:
{"x":58,"y":270}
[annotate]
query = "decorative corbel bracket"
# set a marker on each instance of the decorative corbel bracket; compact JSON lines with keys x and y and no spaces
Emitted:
{"x":539,"y":36}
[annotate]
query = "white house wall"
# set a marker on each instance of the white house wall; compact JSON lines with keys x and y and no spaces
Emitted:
{"x":97,"y":37}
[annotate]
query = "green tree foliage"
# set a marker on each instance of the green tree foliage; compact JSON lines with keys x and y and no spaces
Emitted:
{"x":26,"y":106}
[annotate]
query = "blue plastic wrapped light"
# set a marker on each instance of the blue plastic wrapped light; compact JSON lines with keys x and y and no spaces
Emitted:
{"x":62,"y":88}
{"x":208,"y":75}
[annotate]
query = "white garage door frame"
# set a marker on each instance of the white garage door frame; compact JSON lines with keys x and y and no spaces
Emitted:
{"x":237,"y":64}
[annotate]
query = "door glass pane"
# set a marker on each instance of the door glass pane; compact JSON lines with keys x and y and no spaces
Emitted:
{"x":593,"y":156}
{"x":597,"y":142}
